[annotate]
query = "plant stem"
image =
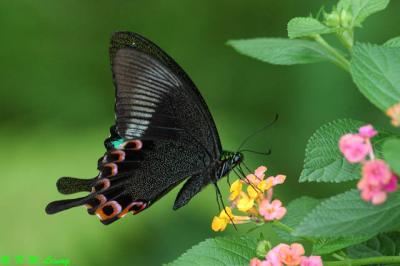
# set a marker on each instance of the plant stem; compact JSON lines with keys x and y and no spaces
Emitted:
{"x":337,"y":256}
{"x":284,"y":227}
{"x":290,"y":230}
{"x":365,"y":261}
{"x":340,"y":60}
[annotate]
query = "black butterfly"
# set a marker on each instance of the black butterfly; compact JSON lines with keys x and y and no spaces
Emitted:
{"x":163,"y":134}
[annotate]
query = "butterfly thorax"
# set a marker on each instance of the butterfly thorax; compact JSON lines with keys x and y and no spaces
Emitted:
{"x":228,"y":161}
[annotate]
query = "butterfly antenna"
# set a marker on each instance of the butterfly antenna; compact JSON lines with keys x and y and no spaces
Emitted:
{"x":258,"y":131}
{"x":258,"y":152}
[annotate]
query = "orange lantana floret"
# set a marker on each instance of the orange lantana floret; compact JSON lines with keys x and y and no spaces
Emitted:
{"x":394,"y":113}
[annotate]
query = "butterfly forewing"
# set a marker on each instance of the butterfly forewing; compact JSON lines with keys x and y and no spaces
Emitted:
{"x":184,"y":99}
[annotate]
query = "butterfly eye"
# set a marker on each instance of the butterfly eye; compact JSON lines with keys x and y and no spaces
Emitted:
{"x":102,"y":184}
{"x":108,"y":210}
{"x":132,"y":145}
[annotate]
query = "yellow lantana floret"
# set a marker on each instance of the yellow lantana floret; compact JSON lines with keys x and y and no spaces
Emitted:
{"x":235,"y":189}
{"x":220,"y":222}
{"x":226,"y":217}
{"x":257,"y":191}
{"x":245,"y":202}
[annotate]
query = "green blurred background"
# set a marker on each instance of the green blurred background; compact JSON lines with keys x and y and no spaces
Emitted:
{"x":57,"y":105}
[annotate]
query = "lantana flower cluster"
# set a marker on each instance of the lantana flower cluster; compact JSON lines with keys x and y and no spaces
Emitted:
{"x":377,"y":179}
{"x":284,"y":254}
{"x":253,"y":197}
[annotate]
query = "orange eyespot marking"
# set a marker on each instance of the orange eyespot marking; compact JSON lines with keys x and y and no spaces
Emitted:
{"x":108,"y":210}
{"x":133,"y":145}
{"x":109,"y":169}
{"x":102,"y":184}
{"x":135,"y":207}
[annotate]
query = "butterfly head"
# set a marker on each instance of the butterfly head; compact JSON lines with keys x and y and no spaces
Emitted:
{"x":229,"y":161}
{"x":236,"y":158}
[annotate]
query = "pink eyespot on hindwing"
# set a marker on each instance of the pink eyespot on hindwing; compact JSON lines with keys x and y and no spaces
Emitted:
{"x":109,"y":169}
{"x":132,"y":145}
{"x":101,"y":185}
{"x":135,"y":207}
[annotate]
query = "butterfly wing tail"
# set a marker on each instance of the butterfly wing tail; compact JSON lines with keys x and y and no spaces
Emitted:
{"x":70,"y":185}
{"x":62,"y":205}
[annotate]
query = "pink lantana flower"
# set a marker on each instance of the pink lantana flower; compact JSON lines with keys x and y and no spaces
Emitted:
{"x":290,"y":255}
{"x":311,"y":261}
{"x":284,"y":254}
{"x":258,"y":175}
{"x":273,"y":257}
{"x":377,"y":180}
{"x":367,"y":131}
{"x":391,"y":186}
{"x":258,"y":262}
{"x":272,"y":211}
{"x":276,"y":180}
{"x":374,"y":194}
{"x":354,"y":147}
{"x":376,"y":172}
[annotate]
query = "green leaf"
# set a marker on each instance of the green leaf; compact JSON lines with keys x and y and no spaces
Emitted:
{"x":391,"y":153}
{"x":219,"y":251}
{"x":297,"y":210}
{"x":281,"y":51}
{"x":306,"y":27}
{"x":394,"y":42}
{"x":381,"y":245}
{"x":361,"y":9}
{"x":328,"y":245}
{"x":375,"y":69}
{"x":323,"y":160}
{"x":346,"y":215}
